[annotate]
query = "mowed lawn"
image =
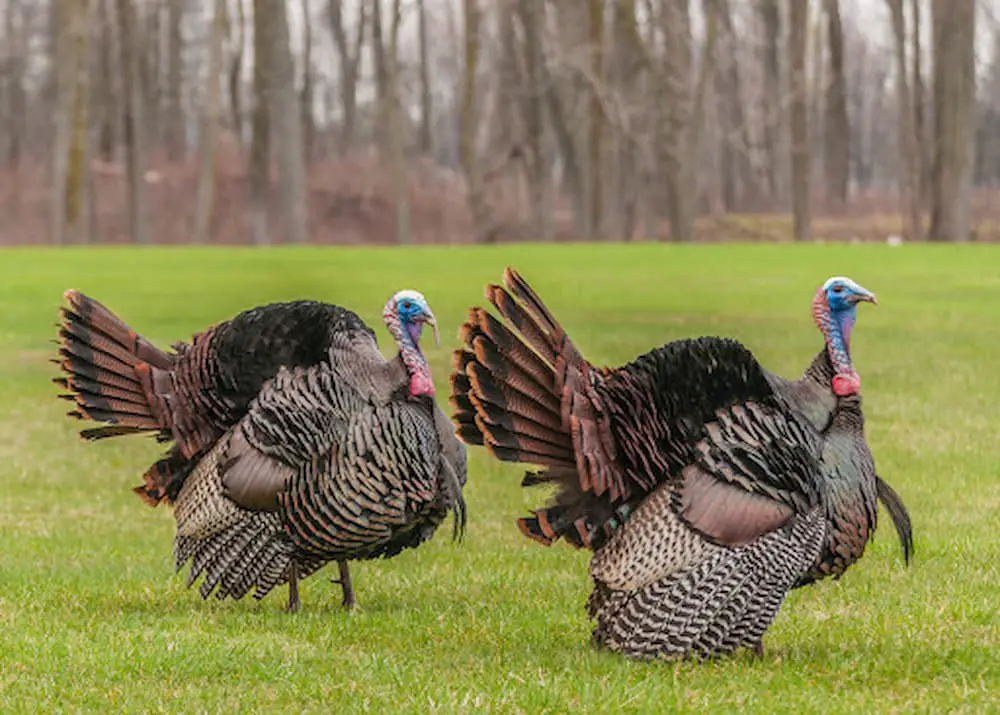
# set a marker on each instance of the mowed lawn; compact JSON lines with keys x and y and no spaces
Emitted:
{"x":93,"y":618}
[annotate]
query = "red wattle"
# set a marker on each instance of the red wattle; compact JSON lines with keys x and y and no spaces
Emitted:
{"x":421,"y":383}
{"x":844,"y":385}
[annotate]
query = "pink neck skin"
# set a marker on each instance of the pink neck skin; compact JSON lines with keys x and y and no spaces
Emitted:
{"x":409,"y":352}
{"x":845,"y":380}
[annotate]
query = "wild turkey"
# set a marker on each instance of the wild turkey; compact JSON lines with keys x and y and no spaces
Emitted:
{"x":706,"y":487}
{"x":295,"y":442}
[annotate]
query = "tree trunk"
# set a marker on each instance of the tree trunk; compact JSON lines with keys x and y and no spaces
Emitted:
{"x":738,"y":182}
{"x":381,"y":78}
{"x":920,"y":106}
{"x":954,"y":97}
{"x":397,"y":138}
{"x":149,"y":63}
{"x":770,"y":15}
{"x":70,"y":175}
{"x":176,"y":143}
{"x":286,"y":119}
{"x":909,"y":180}
{"x":306,"y":96}
{"x":801,"y":155}
{"x":15,"y":59}
{"x":135,"y":136}
{"x":838,"y":131}
{"x":535,"y":159}
{"x":677,"y":120}
{"x":426,"y":116}
{"x":235,"y":77}
{"x":209,"y":130}
{"x":349,"y":55}
{"x":260,"y":141}
{"x":106,"y":87}
{"x":469,"y":120}
{"x":78,"y":180}
{"x":595,"y":149}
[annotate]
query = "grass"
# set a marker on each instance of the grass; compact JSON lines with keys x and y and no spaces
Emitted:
{"x":93,"y":619}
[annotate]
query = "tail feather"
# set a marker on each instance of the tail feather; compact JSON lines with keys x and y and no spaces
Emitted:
{"x":115,"y":376}
{"x":513,"y":422}
{"x":504,"y":342}
{"x":489,"y":388}
{"x":520,"y":288}
{"x":106,"y":370}
{"x":91,"y":313}
{"x":500,"y":437}
{"x":83,"y":384}
{"x":900,"y":516}
{"x":539,"y":341}
{"x":522,"y":389}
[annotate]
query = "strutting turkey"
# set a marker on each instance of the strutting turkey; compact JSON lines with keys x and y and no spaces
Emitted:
{"x":706,"y":486}
{"x":295,"y":442}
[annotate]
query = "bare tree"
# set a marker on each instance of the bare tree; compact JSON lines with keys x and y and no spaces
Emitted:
{"x":770,"y":15}
{"x":919,"y":106}
{"x":536,"y":161}
{"x":235,"y":74}
{"x":837,"y":152}
{"x":285,"y":118}
{"x":596,"y":119}
{"x":209,"y":131}
{"x":735,"y":168}
{"x":12,"y":82}
{"x":107,"y":98}
{"x":306,"y":93}
{"x":954,"y":95}
{"x":677,"y":120}
{"x":426,"y":116}
{"x":482,"y":223}
{"x":381,"y":76}
{"x":70,"y":174}
{"x":397,"y":139}
{"x":135,"y":135}
{"x":260,"y":142}
{"x":349,"y":54}
{"x":908,"y":147}
{"x":175,"y":48}
{"x":801,"y":154}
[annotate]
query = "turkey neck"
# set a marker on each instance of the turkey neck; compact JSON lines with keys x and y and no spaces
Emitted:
{"x":407,"y":339}
{"x":836,"y":328}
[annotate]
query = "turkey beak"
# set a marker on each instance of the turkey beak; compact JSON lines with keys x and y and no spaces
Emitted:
{"x":431,"y":321}
{"x":864,"y":296}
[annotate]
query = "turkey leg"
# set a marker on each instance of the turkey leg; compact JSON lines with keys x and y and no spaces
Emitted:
{"x":293,"y":587}
{"x":345,"y":584}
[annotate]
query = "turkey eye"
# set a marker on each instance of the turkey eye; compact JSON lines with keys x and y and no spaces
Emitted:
{"x":838,"y":289}
{"x":407,"y":305}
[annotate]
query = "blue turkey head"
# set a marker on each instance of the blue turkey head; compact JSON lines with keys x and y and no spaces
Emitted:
{"x":835,"y":310}
{"x":842,"y":294}
{"x":413,"y":313}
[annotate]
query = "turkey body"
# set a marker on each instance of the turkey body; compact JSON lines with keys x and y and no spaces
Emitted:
{"x":295,"y":442}
{"x":706,"y":487}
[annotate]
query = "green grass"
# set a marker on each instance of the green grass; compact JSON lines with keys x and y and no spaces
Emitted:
{"x":92,"y":617}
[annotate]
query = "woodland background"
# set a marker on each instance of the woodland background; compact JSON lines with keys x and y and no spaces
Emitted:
{"x":419,"y":121}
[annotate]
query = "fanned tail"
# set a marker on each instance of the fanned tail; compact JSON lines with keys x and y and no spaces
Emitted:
{"x":109,"y":370}
{"x":522,"y":389}
{"x":113,"y":375}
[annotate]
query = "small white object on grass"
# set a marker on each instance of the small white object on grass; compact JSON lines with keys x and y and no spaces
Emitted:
{"x":894,"y":240}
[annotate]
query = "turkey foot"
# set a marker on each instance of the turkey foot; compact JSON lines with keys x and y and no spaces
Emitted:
{"x":345,"y":583}
{"x":758,"y":648}
{"x":293,"y":588}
